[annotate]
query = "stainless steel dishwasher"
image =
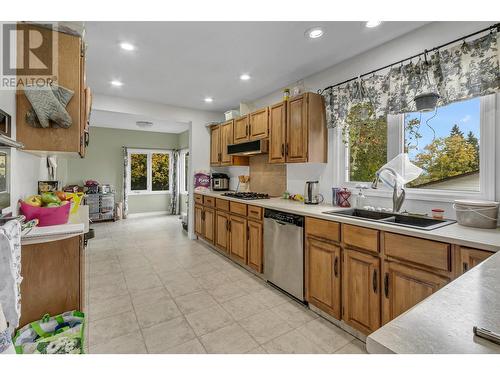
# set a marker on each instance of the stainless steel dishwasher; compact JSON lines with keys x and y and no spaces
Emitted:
{"x":284,"y":251}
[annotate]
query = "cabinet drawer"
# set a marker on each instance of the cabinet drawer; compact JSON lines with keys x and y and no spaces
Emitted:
{"x":362,"y":238}
{"x":198,"y":198}
{"x":222,"y":204}
{"x":328,"y":230}
{"x":254,"y":212}
{"x":238,"y":208}
{"x":209,"y":201}
{"x":417,"y":250}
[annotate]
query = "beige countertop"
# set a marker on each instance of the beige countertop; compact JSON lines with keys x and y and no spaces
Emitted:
{"x":77,"y":224}
{"x":485,"y":239}
{"x":442,"y":323}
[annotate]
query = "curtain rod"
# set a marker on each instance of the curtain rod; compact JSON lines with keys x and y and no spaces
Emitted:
{"x":489,"y":28}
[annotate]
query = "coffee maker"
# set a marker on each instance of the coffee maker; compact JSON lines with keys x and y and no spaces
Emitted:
{"x":311,"y":193}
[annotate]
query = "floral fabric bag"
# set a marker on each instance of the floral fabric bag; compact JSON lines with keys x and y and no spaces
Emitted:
{"x":61,"y":334}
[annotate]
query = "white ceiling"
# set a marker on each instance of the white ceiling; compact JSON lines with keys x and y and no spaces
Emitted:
{"x":180,"y":63}
{"x":119,"y":120}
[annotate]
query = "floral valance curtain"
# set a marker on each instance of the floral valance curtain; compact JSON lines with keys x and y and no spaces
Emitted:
{"x":457,"y":73}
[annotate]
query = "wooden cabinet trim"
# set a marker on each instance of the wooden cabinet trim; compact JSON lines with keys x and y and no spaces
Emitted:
{"x":208,"y":201}
{"x":238,"y":208}
{"x":255,"y":245}
{"x":198,"y":198}
{"x":277,"y":133}
{"x":360,"y":238}
{"x":222,"y":204}
{"x":419,"y":251}
{"x":259,"y":124}
{"x":254,"y":212}
{"x":322,"y":229}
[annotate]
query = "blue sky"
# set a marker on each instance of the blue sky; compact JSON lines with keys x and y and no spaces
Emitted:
{"x":465,"y":114}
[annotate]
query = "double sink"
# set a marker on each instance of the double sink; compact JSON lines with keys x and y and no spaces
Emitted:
{"x":402,"y":220}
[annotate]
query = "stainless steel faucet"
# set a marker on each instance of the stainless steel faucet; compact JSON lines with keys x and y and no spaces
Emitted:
{"x":397,"y":198}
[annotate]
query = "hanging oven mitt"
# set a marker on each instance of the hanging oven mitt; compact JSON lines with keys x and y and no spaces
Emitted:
{"x":49,"y":104}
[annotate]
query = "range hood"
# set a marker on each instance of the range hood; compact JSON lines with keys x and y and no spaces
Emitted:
{"x":249,"y":148}
{"x":8,"y":142}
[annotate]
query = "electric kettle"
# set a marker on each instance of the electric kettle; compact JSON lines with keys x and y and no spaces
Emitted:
{"x":311,"y":193}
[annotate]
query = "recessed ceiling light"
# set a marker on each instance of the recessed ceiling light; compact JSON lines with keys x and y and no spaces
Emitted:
{"x":116,"y":83}
{"x":127,"y":46}
{"x":208,"y":99}
{"x":314,"y":32}
{"x":371,"y":24}
{"x":245,"y":77}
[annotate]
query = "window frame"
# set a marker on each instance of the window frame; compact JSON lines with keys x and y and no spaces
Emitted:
{"x":149,"y":153}
{"x":395,"y":136}
{"x":182,"y":171}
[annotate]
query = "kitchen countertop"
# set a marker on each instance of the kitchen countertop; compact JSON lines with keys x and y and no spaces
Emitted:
{"x":485,"y":239}
{"x":77,"y":224}
{"x":443,"y":322}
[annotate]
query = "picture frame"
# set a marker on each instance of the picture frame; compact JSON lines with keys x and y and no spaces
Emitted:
{"x":48,"y":186}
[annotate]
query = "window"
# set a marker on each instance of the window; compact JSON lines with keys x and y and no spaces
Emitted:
{"x":149,"y":171}
{"x":455,"y":147}
{"x":184,"y":171}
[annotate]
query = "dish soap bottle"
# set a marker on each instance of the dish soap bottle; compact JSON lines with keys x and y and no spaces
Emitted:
{"x":361,"y":200}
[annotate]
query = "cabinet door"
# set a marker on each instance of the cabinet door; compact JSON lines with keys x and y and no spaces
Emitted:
{"x":209,"y":224}
{"x":472,"y":257}
{"x":296,"y":147}
{"x":198,"y":220}
{"x":240,"y":131}
{"x":238,"y":238}
{"x":83,"y":269}
{"x":404,"y":287}
{"x":323,"y":280}
{"x":259,"y":124}
{"x":277,"y":133}
{"x":361,"y":286}
{"x":226,"y":138}
{"x":215,"y":154}
{"x":255,"y":245}
{"x":222,"y":231}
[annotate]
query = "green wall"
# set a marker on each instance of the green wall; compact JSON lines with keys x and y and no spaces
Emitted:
{"x":184,"y":140}
{"x":104,"y":162}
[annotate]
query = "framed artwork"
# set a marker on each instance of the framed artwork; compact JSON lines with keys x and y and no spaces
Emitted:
{"x":5,"y":123}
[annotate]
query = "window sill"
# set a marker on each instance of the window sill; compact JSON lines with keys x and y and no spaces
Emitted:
{"x":141,"y":193}
{"x":447,"y":196}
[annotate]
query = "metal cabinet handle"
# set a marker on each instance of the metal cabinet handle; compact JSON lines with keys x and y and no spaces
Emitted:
{"x":86,"y":139}
{"x":286,"y":149}
{"x":282,"y":149}
{"x":229,"y":223}
{"x":336,"y":267}
{"x":374,"y":281}
{"x":386,"y":285}
{"x":465,"y":266}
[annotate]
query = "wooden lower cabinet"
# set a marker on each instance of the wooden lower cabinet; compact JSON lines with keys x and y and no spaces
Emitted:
{"x":51,"y":274}
{"x":222,"y":231}
{"x":323,"y":276}
{"x":255,"y":245}
{"x":361,"y":290}
{"x":404,"y":287}
{"x":238,"y":238}
{"x":209,"y":224}
{"x":198,"y":220}
{"x":472,"y":257}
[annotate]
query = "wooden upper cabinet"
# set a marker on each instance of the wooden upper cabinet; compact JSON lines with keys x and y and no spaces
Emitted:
{"x":472,"y":257}
{"x":215,"y":145}
{"x":307,"y":135}
{"x":241,"y":132}
{"x":255,"y":245}
{"x":259,"y":124}
{"x":404,"y":287}
{"x":361,"y":291}
{"x":226,"y":138}
{"x":277,"y":133}
{"x":238,"y":238}
{"x":323,"y":276}
{"x":70,"y":74}
{"x":297,"y":144}
{"x":222,"y":230}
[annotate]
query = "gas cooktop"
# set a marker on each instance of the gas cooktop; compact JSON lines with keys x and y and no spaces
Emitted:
{"x":246,"y":195}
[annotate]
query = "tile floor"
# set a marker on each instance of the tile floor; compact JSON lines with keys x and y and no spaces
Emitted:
{"x":152,"y":290}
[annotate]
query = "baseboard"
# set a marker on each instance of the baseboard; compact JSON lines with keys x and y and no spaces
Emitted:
{"x":145,"y":214}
